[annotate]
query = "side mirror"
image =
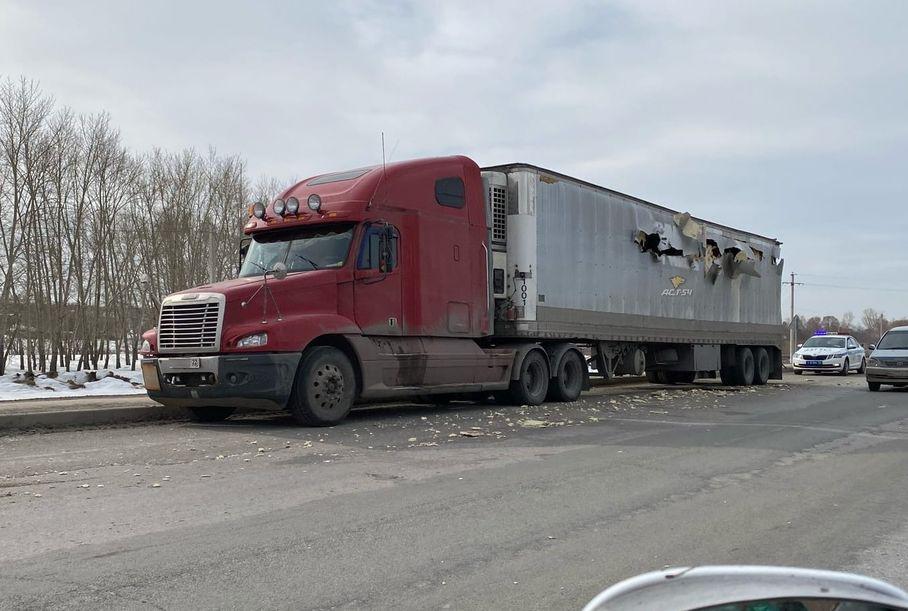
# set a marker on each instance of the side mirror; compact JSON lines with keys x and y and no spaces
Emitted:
{"x":799,"y":345}
{"x":279,"y":271}
{"x":719,"y":588}
{"x":243,"y":249}
{"x":872,"y":346}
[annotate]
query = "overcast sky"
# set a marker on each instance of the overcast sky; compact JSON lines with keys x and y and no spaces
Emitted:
{"x":789,"y":119}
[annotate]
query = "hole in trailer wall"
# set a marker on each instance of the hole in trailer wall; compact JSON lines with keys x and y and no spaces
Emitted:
{"x":652,"y":242}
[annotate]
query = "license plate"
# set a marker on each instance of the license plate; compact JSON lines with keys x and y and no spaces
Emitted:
{"x":814,"y":363}
{"x":193,"y":363}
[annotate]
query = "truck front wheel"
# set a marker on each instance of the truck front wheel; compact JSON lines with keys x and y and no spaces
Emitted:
{"x":568,"y":381}
{"x":325,"y":387}
{"x":532,"y":385}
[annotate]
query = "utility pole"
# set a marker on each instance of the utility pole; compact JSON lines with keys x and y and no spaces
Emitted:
{"x":792,"y":326}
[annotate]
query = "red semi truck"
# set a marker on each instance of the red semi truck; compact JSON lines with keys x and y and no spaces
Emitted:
{"x":436,"y":277}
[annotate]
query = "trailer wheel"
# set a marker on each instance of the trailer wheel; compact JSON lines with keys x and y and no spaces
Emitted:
{"x":656,"y":377}
{"x":532,"y":385}
{"x":761,"y":366}
{"x":210,"y":413}
{"x":568,"y":381}
{"x":324,"y":389}
{"x":680,"y":377}
{"x":744,"y":367}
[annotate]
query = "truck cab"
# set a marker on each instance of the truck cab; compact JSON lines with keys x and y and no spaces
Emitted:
{"x":376,"y":279}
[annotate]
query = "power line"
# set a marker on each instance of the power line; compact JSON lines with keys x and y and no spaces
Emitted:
{"x":855,"y":288}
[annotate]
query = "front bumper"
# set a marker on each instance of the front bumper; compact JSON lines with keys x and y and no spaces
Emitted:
{"x":260,"y":380}
{"x":824,"y":365}
{"x":888,"y":375}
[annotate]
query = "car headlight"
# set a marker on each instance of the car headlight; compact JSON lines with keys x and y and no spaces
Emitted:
{"x":250,"y":341}
{"x":839,"y":355}
{"x":871,"y":362}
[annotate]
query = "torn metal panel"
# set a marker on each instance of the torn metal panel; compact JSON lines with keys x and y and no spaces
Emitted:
{"x":689,"y":227}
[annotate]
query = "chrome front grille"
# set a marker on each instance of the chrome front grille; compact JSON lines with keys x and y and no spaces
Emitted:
{"x":893,"y":361}
{"x":191,"y":323}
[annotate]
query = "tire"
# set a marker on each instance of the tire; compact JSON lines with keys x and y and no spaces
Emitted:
{"x":744,"y":367}
{"x":568,"y":381}
{"x":873,"y":386}
{"x":681,"y":377}
{"x":863,"y":366}
{"x":798,"y":372}
{"x":761,"y":366}
{"x":846,"y":366}
{"x":210,"y":413}
{"x":656,"y":377}
{"x":324,"y":389}
{"x":532,"y":384}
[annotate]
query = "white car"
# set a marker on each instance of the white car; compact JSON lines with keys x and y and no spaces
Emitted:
{"x":837,"y":353}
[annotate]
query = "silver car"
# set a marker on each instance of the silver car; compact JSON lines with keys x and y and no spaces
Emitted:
{"x":888,"y":363}
{"x":835,"y":353}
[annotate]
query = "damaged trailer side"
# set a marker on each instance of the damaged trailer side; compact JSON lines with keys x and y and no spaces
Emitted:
{"x":641,"y":286}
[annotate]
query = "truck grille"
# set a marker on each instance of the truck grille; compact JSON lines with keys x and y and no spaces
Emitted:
{"x":190,"y":326}
{"x":499,"y":201}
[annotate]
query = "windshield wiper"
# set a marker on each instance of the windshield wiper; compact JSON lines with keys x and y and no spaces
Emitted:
{"x":309,"y":261}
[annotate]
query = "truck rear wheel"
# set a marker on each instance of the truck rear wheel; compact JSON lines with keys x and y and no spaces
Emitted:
{"x":744,"y":367}
{"x":761,"y":366}
{"x":656,"y":377}
{"x":324,"y":389}
{"x":532,"y":384}
{"x":568,"y":381}
{"x":209,"y":413}
{"x":680,"y":377}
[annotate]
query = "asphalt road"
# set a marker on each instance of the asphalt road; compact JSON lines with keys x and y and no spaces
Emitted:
{"x":461,"y":506}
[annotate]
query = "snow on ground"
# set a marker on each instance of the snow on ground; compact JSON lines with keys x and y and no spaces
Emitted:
{"x":15,"y":385}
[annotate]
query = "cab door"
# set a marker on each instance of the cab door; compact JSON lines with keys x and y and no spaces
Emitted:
{"x":377,"y":281}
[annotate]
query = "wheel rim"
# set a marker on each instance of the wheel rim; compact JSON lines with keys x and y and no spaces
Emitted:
{"x":533,"y":378}
{"x":328,"y":387}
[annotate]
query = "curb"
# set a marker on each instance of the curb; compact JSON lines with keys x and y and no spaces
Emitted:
{"x":25,"y":420}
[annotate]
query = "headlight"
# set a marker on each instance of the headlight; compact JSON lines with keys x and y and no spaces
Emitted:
{"x":873,"y":363}
{"x":250,"y":341}
{"x":146,"y":347}
{"x":839,"y":355}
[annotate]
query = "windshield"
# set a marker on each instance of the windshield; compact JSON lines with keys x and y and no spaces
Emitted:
{"x":300,"y":250}
{"x":894,"y":340}
{"x":825,"y":342}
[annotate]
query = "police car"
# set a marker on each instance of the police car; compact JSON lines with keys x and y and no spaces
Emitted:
{"x":836,"y":353}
